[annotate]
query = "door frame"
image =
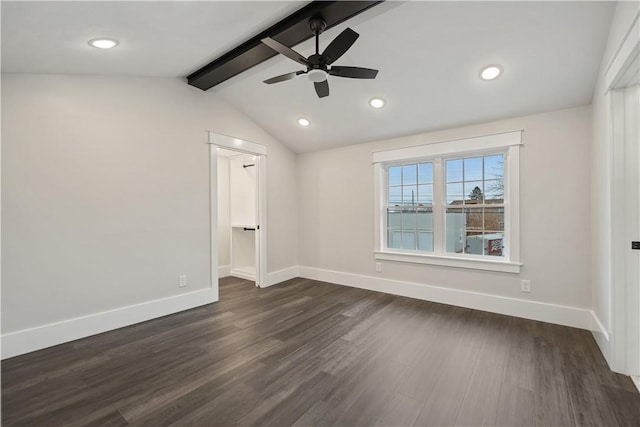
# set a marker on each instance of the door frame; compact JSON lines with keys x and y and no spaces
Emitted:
{"x":216,"y":140}
{"x":621,"y":73}
{"x":625,"y":337}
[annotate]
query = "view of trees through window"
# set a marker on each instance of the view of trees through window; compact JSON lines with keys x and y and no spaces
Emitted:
{"x":474,"y":210}
{"x":475,"y":205}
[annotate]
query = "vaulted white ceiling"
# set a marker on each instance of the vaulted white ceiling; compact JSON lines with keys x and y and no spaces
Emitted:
{"x":429,"y":55}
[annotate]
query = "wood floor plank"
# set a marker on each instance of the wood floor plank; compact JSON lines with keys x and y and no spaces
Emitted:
{"x":320,"y":415}
{"x":444,"y":403}
{"x":165,"y":408}
{"x":625,"y":405}
{"x":309,"y":353}
{"x":588,"y":400}
{"x":515,"y":407}
{"x":480,"y":404}
{"x":399,"y":411}
{"x":552,"y":403}
{"x":145,"y":403}
{"x":288,"y":411}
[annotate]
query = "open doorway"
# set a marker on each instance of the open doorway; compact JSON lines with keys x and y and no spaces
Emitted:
{"x":238,"y":209}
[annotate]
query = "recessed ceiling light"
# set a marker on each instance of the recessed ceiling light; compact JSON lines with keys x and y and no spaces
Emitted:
{"x":490,"y":72}
{"x":377,"y":102}
{"x":304,"y":122}
{"x":103,"y":43}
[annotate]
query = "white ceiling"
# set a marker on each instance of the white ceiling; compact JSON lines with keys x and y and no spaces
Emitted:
{"x":429,"y":55}
{"x":157,"y":38}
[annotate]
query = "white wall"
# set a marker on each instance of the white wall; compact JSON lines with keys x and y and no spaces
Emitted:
{"x":105,"y":193}
{"x":601,"y":179}
{"x":224,"y":221}
{"x":336,"y":212}
{"x":243,"y":184}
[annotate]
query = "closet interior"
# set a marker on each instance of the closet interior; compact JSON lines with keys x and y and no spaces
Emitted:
{"x":237,"y":214}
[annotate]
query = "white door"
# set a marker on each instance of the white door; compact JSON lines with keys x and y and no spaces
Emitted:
{"x":632,"y":220}
{"x":626,"y":223}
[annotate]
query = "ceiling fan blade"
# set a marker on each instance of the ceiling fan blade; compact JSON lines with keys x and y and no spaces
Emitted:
{"x":322,"y":88}
{"x":285,"y":50}
{"x":353,"y":72}
{"x":340,"y":45}
{"x":284,"y":77}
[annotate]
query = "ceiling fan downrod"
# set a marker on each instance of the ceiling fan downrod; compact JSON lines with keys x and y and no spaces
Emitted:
{"x":317,"y":26}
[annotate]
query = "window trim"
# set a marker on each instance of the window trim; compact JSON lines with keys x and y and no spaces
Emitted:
{"x":508,"y":143}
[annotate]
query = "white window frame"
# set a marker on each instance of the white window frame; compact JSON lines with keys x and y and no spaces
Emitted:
{"x":509,"y":144}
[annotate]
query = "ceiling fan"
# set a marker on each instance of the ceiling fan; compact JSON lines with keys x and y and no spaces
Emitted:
{"x":318,"y":64}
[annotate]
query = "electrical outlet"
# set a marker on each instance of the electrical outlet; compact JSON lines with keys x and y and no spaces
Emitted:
{"x":378,"y":267}
{"x":525,"y":286}
{"x":182,"y":282}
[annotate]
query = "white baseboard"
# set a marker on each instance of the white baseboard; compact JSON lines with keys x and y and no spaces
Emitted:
{"x":28,"y":340}
{"x":242,"y":275}
{"x":601,"y":335}
{"x":545,"y":312}
{"x":224,"y":271}
{"x":280,"y":276}
{"x":25,"y":341}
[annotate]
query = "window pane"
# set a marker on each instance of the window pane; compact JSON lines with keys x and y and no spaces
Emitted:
{"x":473,"y":169}
{"x":454,"y":235}
{"x":425,"y":194}
{"x":493,"y":220}
{"x":425,"y":173}
{"x":395,"y":196}
{"x":473,"y":191}
{"x":409,"y":174}
{"x":475,"y":243}
{"x":494,"y":167}
{"x":454,"y":170}
{"x":394,"y":239}
{"x":394,"y":218}
{"x":494,"y":245}
{"x":408,"y":240}
{"x":425,"y":219}
{"x":474,"y":220}
{"x":395,"y":175}
{"x":425,"y":241}
{"x":408,"y":219}
{"x":454,"y":193}
{"x":409,"y":195}
{"x":494,"y":190}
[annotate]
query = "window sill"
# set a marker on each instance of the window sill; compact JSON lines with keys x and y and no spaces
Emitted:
{"x":450,"y":261}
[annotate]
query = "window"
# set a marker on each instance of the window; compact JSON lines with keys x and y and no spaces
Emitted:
{"x":451,"y":203}
{"x":410,"y":207}
{"x":474,"y":211}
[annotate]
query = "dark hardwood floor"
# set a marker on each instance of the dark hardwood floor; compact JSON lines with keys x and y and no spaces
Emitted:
{"x":307,"y":353}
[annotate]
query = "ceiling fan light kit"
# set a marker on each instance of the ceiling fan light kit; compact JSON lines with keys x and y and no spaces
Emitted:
{"x":317,"y":75}
{"x":317,"y":65}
